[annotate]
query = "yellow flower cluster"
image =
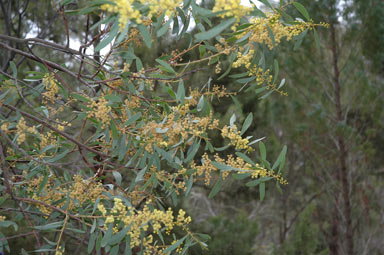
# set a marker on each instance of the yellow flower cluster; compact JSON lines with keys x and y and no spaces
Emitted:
{"x":133,"y":36}
{"x":226,"y":49}
{"x":127,"y":12}
{"x":244,"y":59}
{"x":100,"y":110}
{"x":47,"y":139}
{"x":2,"y":218}
{"x":261,"y":75}
{"x":179,"y":248}
{"x":147,"y":220}
{"x":22,"y":129}
{"x":232,"y":7}
{"x":176,"y":180}
{"x":132,"y":103}
{"x":220,"y":92}
{"x":158,"y":6}
{"x":180,"y":124}
{"x":204,"y":169}
{"x":4,"y":127}
{"x":235,"y":138}
{"x":80,"y":191}
{"x":238,"y":165}
{"x":51,"y":87}
{"x":253,"y":70}
{"x":260,"y":33}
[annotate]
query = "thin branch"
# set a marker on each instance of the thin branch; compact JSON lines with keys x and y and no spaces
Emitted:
{"x":152,"y":78}
{"x":32,"y":201}
{"x":17,"y":236}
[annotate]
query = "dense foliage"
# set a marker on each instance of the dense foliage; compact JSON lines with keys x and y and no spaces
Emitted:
{"x":100,"y":144}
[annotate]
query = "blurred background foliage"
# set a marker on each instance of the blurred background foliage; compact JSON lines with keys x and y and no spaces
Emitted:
{"x":309,"y":215}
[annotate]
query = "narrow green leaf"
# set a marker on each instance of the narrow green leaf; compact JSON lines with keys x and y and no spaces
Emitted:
{"x":174,"y":246}
{"x":13,"y":68}
{"x":231,"y":59}
{"x":202,"y":50}
{"x":200,"y":104}
{"x":247,"y":123}
{"x":181,"y":15}
{"x":317,"y":41}
{"x":282,"y":163}
{"x":223,"y":166}
{"x":107,"y":236}
{"x":92,"y":240}
{"x":49,"y":226}
{"x":114,"y":250}
{"x":245,"y":157}
{"x":122,"y":147}
{"x":272,"y":36}
{"x":223,"y":148}
{"x":214,"y":31}
{"x":189,"y":185}
{"x":200,"y":10}
{"x":286,"y":16}
{"x":164,"y":28}
{"x":43,"y":183}
{"x":166,"y":155}
{"x":140,"y":175}
{"x":279,"y":188}
{"x":299,"y":39}
{"x":7,"y":223}
{"x":117,"y":177}
{"x":180,"y":95}
{"x":266,"y":3}
{"x":232,"y":120}
{"x":59,"y":156}
{"x":302,"y":10}
{"x":110,"y":37}
{"x":119,"y":236}
{"x":276,"y":70}
{"x":122,"y":35}
{"x":262,"y":191}
{"x":166,"y":67}
{"x":280,"y":157}
{"x":192,"y":151}
{"x":133,"y":119}
{"x":176,"y":26}
{"x":146,"y":35}
{"x":128,"y":246}
{"x":98,"y":242}
{"x":241,"y":176}
{"x":216,"y":188}
{"x":246,"y":80}
{"x":257,"y":181}
{"x":80,"y":97}
{"x":263,"y":152}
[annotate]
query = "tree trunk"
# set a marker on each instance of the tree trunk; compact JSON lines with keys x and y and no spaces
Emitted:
{"x":342,"y":155}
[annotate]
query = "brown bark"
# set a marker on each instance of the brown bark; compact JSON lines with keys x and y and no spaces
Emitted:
{"x":342,"y":155}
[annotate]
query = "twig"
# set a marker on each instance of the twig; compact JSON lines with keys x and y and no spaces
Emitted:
{"x":152,"y":78}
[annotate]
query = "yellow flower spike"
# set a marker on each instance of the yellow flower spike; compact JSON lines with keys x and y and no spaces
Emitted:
{"x":235,"y":138}
{"x":100,"y":111}
{"x":233,"y":7}
{"x":51,"y":87}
